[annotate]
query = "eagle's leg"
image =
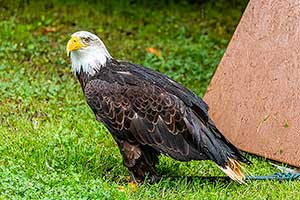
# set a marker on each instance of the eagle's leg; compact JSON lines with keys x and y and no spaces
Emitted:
{"x":140,"y":161}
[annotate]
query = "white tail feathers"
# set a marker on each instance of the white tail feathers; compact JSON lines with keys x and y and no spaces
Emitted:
{"x":233,"y":170}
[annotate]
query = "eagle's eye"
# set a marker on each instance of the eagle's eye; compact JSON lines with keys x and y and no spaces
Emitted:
{"x":86,"y":40}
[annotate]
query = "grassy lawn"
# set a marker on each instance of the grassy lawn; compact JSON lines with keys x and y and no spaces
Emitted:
{"x":51,"y":147}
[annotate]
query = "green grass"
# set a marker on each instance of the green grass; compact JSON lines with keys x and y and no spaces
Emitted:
{"x":51,"y":147}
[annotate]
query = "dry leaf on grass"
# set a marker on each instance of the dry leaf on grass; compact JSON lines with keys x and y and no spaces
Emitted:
{"x":47,"y":30}
{"x":154,"y":51}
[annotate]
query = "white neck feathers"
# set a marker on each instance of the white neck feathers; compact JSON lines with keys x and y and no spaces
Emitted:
{"x":89,"y":59}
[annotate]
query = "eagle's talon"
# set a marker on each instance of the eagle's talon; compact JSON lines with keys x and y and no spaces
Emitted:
{"x":133,"y":179}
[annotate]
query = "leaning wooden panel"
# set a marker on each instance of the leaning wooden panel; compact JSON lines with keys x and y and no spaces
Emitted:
{"x":254,"y":96}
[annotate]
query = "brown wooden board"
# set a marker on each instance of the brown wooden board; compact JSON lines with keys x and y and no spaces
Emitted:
{"x":254,"y":96}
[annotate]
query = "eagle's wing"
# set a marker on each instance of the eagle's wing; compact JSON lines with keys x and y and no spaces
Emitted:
{"x":150,"y":115}
{"x":161,"y":80}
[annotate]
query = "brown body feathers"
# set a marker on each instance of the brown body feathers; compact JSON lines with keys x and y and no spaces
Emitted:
{"x":148,"y":114}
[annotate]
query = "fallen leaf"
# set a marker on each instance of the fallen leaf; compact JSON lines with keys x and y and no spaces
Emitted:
{"x":47,"y":30}
{"x":133,"y":186}
{"x":121,"y":188}
{"x":154,"y":51}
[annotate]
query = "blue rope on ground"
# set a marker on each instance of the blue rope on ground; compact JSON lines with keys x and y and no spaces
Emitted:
{"x":277,"y":176}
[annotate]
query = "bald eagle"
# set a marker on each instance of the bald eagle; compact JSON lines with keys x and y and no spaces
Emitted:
{"x":147,"y":113}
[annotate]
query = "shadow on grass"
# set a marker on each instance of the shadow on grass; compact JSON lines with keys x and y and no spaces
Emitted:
{"x":191,"y":179}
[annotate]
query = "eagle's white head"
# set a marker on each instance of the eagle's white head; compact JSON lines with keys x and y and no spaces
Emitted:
{"x":87,"y":52}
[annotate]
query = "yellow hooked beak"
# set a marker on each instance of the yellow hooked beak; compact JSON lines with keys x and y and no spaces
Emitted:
{"x":74,"y":44}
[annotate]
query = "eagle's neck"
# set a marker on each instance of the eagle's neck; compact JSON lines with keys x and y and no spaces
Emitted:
{"x":104,"y":71}
{"x":89,"y":60}
{"x":112,"y":65}
{"x":83,"y":79}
